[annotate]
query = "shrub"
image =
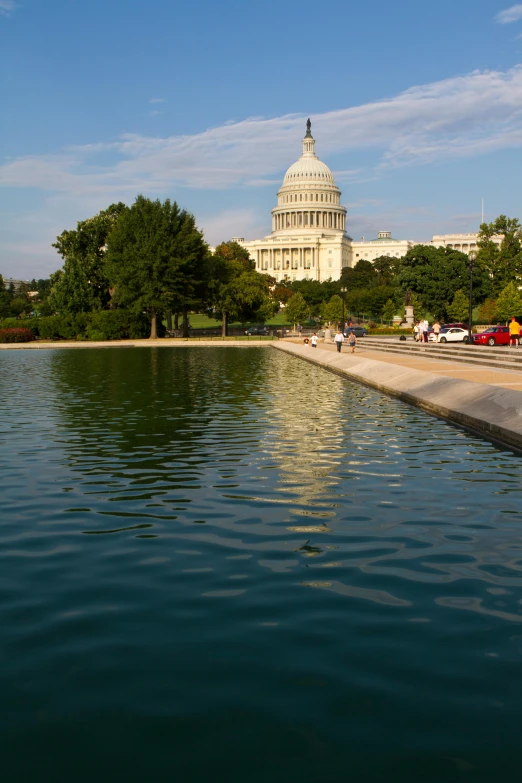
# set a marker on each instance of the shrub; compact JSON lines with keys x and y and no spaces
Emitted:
{"x":98,"y":325}
{"x":15,"y":335}
{"x":97,"y":337}
{"x":117,"y":325}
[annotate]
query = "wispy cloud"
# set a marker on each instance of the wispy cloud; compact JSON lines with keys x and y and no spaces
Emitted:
{"x":230,"y":223}
{"x":157,"y":100}
{"x":460,"y":117}
{"x":509,"y":15}
{"x":7,"y":7}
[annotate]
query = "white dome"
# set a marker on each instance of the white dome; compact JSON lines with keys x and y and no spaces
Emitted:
{"x":309,"y":170}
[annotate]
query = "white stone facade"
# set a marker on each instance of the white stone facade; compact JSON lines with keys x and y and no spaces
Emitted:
{"x":384,"y":245}
{"x":463,"y":242}
{"x":308,"y":239}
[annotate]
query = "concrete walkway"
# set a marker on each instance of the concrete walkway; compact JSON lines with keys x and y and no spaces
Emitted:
{"x":448,"y":369}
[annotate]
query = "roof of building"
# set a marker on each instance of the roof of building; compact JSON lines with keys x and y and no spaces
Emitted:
{"x":309,"y":169}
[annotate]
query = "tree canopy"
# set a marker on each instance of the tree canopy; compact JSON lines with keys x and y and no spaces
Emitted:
{"x":157,"y":259}
{"x":297,"y":309}
{"x":502,"y":265}
{"x":237,"y":291}
{"x":435,"y":274}
{"x":83,"y":284}
{"x":509,"y":303}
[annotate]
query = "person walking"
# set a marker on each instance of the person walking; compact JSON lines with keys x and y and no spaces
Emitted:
{"x":425,"y":330}
{"x":314,"y":340}
{"x":514,"y":332}
{"x":436,"y":330}
{"x":416,"y":331}
{"x":352,"y":341}
{"x":339,"y":340}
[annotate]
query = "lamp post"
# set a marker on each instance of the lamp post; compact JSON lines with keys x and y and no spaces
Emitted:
{"x":343,"y":296}
{"x":472,"y":257}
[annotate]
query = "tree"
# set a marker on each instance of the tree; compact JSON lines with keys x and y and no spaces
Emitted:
{"x":6,"y":297}
{"x":315,"y":293}
{"x":282,"y":293}
{"x":373,"y":300}
{"x":362,"y":275}
{"x":509,"y":302}
{"x":435,"y":274}
{"x":70,"y":289}
{"x":157,"y":259}
{"x":503,"y":264}
{"x":386,"y":268}
{"x":333,"y":310}
{"x":83,"y":251}
{"x":487,"y":311}
{"x":237,"y":290}
{"x":458,"y":310}
{"x":389,"y":310}
{"x":297,"y":309}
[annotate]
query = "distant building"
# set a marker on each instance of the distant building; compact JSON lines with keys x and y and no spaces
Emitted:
{"x":17,"y":284}
{"x":384,"y":245}
{"x":463,"y":242}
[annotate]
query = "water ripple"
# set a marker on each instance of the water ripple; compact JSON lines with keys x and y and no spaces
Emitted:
{"x":154,"y":569}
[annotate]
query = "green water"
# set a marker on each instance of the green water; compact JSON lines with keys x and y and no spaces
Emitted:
{"x":225,"y":564}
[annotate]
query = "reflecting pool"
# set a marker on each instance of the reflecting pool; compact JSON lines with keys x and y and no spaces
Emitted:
{"x":227,"y":564}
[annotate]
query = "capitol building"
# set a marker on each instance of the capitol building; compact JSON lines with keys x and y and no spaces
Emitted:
{"x":309,"y":239}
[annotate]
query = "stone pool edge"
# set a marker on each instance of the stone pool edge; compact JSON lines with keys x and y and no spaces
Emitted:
{"x":490,"y":411}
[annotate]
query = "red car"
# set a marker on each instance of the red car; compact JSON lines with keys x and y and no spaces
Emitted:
{"x":494,"y":335}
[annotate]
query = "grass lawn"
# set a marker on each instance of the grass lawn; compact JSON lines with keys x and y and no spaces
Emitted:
{"x":202,"y":321}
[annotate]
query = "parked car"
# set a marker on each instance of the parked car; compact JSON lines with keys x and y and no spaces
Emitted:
{"x":494,"y":335}
{"x":255,"y":330}
{"x":359,"y":331}
{"x":454,"y":335}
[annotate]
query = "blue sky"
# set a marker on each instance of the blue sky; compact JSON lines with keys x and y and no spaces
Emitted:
{"x":416,"y":107}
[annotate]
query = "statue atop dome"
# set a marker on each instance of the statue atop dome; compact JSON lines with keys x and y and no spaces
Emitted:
{"x":308,"y":129}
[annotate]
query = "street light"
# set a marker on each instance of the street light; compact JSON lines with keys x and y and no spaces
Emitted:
{"x":343,"y":296}
{"x":472,"y":257}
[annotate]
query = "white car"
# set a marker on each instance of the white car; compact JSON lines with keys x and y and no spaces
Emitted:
{"x":453,"y":335}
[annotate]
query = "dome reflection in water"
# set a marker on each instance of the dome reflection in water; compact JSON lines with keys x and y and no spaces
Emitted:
{"x":229,"y":564}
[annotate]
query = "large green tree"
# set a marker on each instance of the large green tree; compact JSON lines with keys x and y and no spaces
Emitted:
{"x":503,"y":264}
{"x":157,"y":259}
{"x":237,"y":291}
{"x":84,"y":283}
{"x":435,"y":274}
{"x":315,"y":293}
{"x":297,"y":309}
{"x":458,"y":310}
{"x":509,"y":303}
{"x":332,"y":311}
{"x":362,"y":275}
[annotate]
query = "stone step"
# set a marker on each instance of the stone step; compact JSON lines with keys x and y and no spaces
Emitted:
{"x":501,"y":352}
{"x":473,"y":356}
